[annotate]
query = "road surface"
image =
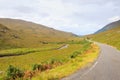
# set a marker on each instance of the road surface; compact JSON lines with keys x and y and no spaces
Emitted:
{"x":107,"y":66}
{"x":64,"y":46}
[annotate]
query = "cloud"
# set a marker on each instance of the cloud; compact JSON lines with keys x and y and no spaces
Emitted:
{"x":77,"y":16}
{"x":114,"y":18}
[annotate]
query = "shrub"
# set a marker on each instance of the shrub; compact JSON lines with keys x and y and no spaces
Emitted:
{"x":28,"y":75}
{"x":52,"y":78}
{"x":41,"y":67}
{"x":14,"y":73}
{"x":46,"y":65}
{"x":74,"y":54}
{"x":38,"y":67}
{"x":53,"y":61}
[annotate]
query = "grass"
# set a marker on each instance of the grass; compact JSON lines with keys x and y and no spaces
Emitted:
{"x":35,"y":57}
{"x":26,"y":61}
{"x":71,"y":66}
{"x":21,"y":37}
{"x":59,"y":60}
{"x":22,"y":51}
{"x":23,"y":34}
{"x":110,"y":37}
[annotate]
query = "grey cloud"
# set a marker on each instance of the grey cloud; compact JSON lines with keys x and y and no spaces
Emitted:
{"x":24,"y":9}
{"x":89,"y":15}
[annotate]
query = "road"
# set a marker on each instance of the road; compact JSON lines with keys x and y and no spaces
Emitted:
{"x":8,"y":55}
{"x":64,"y":46}
{"x":107,"y":66}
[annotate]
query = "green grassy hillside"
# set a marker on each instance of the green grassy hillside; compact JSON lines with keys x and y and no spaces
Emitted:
{"x":48,"y":62}
{"x":109,"y":26}
{"x":30,"y":51}
{"x":6,"y":35}
{"x":19,"y":33}
{"x":111,"y":37}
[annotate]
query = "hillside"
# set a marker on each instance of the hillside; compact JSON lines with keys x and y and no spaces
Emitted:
{"x":19,"y":33}
{"x":6,"y":35}
{"x":109,"y":26}
{"x":111,"y":37}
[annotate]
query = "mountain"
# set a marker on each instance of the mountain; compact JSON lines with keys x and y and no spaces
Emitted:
{"x":20,"y":33}
{"x":109,"y":35}
{"x":109,"y":26}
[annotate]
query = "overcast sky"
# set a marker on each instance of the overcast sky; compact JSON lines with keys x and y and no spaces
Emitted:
{"x":78,"y":16}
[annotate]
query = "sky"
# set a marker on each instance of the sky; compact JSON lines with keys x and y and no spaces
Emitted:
{"x":81,"y":17}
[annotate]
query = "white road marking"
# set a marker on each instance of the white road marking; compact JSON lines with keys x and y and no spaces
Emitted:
{"x":89,"y":69}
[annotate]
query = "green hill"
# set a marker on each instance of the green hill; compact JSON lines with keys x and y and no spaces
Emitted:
{"x":110,"y":36}
{"x":109,"y":26}
{"x":19,"y":33}
{"x":30,"y":51}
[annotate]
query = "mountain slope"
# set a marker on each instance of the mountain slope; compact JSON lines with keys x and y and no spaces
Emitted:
{"x":111,"y":36}
{"x":27,"y":34}
{"x":109,"y":26}
{"x":5,"y":34}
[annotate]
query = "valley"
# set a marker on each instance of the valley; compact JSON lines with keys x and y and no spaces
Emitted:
{"x":110,"y":36}
{"x":30,"y":49}
{"x":59,"y":40}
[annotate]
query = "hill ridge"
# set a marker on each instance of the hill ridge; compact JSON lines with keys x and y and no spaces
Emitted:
{"x":28,"y":34}
{"x":109,"y":26}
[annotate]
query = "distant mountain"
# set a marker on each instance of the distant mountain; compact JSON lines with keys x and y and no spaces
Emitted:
{"x":20,"y":33}
{"x":109,"y":26}
{"x":110,"y":34}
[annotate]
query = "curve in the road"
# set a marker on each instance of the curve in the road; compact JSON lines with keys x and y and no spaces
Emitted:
{"x":107,"y":67}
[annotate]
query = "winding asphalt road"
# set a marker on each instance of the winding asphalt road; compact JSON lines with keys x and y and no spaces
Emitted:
{"x":107,"y":66}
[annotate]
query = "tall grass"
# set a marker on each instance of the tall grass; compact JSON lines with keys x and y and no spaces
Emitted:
{"x":22,"y":51}
{"x":71,"y":66}
{"x":110,"y":37}
{"x":48,"y":59}
{"x":26,"y":61}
